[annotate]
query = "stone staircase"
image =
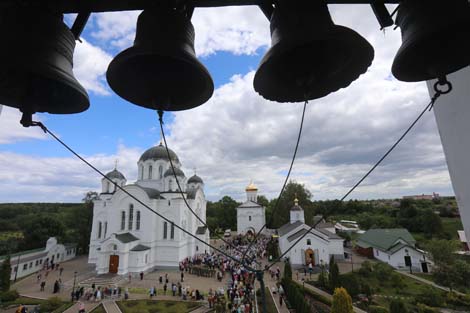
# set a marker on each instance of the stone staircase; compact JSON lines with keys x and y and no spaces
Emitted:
{"x":103,"y":280}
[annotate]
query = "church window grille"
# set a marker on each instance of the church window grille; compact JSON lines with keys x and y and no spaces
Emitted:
{"x":105,"y":229}
{"x":160,"y":172}
{"x":137,"y":222}
{"x":25,"y":267}
{"x":172,"y":233}
{"x":99,"y":229}
{"x":150,"y":172}
{"x":249,"y":218}
{"x":131,"y":217}
{"x":165,"y":231}
{"x":123,"y":220}
{"x":309,"y":242}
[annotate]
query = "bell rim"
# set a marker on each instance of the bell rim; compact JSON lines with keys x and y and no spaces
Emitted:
{"x":407,"y":51}
{"x":182,"y":55}
{"x":365,"y":47}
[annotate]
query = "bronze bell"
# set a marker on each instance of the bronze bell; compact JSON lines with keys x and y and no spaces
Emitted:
{"x":436,"y":39}
{"x":36,"y":63}
{"x":310,"y":56}
{"x":161,"y":71}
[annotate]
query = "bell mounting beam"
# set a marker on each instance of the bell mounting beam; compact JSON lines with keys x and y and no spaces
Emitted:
{"x":79,"y":6}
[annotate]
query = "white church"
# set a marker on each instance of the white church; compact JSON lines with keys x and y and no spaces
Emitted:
{"x":251,"y":216}
{"x":318,"y":245}
{"x":127,"y":237}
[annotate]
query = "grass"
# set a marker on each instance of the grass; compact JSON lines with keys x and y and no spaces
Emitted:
{"x":270,"y":306}
{"x":451,"y":225}
{"x":23,"y":300}
{"x":154,"y":306}
{"x":5,"y":235}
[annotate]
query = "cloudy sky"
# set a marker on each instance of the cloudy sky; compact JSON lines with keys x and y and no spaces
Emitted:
{"x":237,"y":135}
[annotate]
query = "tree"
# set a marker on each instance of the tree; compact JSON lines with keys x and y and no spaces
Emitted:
{"x":262,"y":200}
{"x":39,"y":228}
{"x":333,"y":276}
{"x":292,"y":191}
{"x":397,"y":306}
{"x":84,"y":220}
{"x":5,"y":271}
{"x":431,"y":223}
{"x":342,"y":302}
{"x":442,"y":251}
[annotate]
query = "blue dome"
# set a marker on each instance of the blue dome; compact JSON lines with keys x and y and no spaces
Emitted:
{"x":115,"y":174}
{"x":169,"y":172}
{"x":195,"y":179}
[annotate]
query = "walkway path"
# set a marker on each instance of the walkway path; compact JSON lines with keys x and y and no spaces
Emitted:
{"x":88,"y":307}
{"x":430,"y":283}
{"x":111,"y":307}
{"x":327,"y":295}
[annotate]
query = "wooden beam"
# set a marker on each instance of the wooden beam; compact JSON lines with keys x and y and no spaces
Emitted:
{"x":77,"y":6}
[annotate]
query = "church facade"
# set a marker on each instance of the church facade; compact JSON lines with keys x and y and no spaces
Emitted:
{"x":318,"y":245}
{"x":251,"y":216}
{"x":128,"y":237}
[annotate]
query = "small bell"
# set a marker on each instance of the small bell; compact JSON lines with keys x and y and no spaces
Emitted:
{"x":36,"y":63}
{"x":435,"y":39}
{"x":161,"y":71}
{"x":310,"y":56}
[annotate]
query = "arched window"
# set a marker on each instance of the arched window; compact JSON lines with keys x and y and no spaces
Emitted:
{"x":105,"y":229}
{"x":170,"y":185}
{"x":165,"y":231}
{"x":141,"y":172}
{"x":123,"y":220}
{"x":172,"y":233}
{"x":150,"y":172}
{"x":108,"y":187}
{"x":160,"y":171}
{"x":131,"y":216}
{"x":99,"y":229}
{"x":137,"y":222}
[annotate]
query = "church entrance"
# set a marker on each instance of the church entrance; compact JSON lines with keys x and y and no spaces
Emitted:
{"x":113,"y":264}
{"x":309,"y":257}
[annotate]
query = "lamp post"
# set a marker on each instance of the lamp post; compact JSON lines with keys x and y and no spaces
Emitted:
{"x":74,"y":280}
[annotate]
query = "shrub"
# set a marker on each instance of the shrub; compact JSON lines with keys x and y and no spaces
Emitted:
{"x":9,"y":296}
{"x":351,"y":283}
{"x":51,"y":304}
{"x":422,"y":308}
{"x":377,"y":309}
{"x":342,"y":302}
{"x":431,"y":297}
{"x":397,"y":306}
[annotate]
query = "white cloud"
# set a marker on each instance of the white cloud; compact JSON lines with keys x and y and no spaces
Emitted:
{"x":12,"y":131}
{"x":240,"y":30}
{"x":90,"y":65}
{"x":52,"y":179}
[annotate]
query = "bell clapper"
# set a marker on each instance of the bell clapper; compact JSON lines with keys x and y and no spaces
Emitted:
{"x":27,"y":119}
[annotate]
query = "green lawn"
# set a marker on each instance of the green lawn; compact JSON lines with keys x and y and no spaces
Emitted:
{"x":154,"y":306}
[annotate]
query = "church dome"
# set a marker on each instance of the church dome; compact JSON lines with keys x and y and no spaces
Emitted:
{"x":158,"y":153}
{"x":115,"y":174}
{"x":169,"y":172}
{"x":251,"y":187}
{"x":195,"y":179}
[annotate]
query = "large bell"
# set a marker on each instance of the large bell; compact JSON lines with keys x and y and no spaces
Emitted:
{"x":310,"y":56}
{"x":161,"y":70}
{"x":36,"y":61}
{"x":436,"y":39}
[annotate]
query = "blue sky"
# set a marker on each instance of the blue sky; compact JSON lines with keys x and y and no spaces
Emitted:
{"x":237,"y":136}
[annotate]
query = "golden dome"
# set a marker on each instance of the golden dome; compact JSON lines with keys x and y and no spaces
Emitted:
{"x":251,"y":187}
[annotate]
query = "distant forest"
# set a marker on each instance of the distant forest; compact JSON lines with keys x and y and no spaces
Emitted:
{"x":26,"y":226}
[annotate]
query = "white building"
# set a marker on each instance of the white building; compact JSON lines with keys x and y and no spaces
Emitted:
{"x":128,"y":237}
{"x":316,"y":247}
{"x":27,"y":262}
{"x":395,"y":247}
{"x":251,"y":216}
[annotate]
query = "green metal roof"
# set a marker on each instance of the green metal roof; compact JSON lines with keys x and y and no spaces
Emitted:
{"x":126,"y":237}
{"x":23,"y":253}
{"x":140,"y":248}
{"x":385,"y":239}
